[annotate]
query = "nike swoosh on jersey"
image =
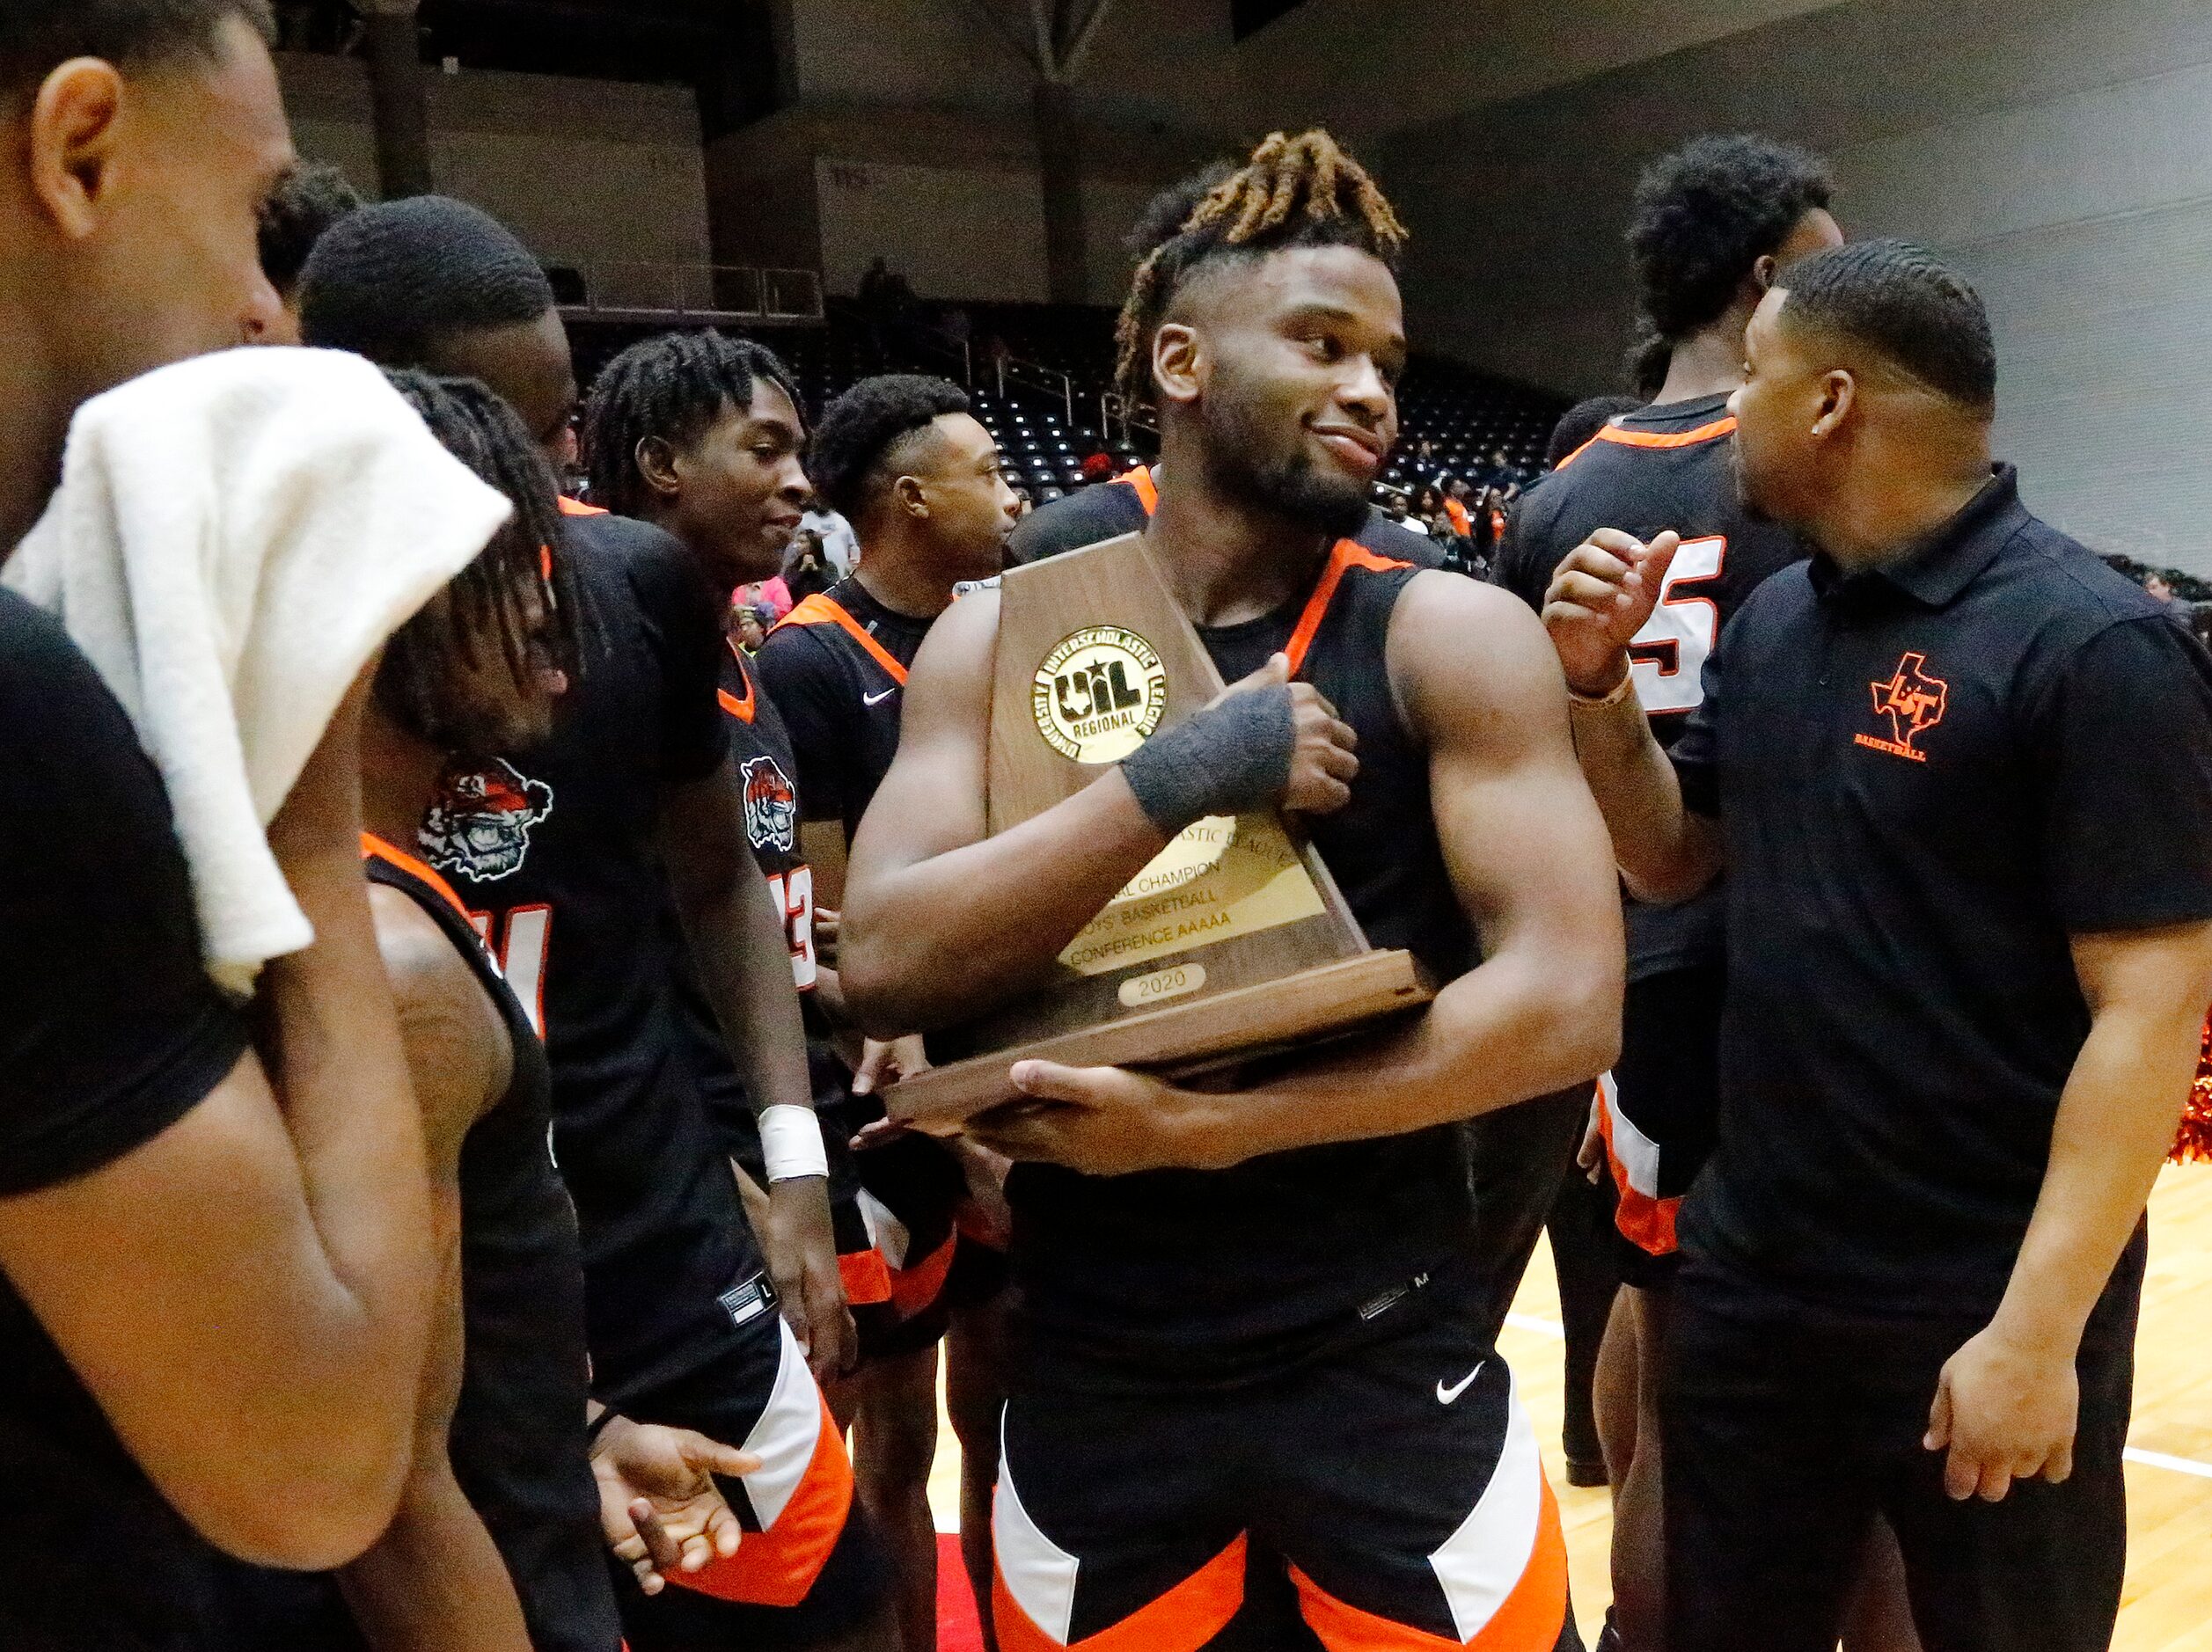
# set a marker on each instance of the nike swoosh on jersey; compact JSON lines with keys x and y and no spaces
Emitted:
{"x":1446,"y":1396}
{"x":878,"y":699}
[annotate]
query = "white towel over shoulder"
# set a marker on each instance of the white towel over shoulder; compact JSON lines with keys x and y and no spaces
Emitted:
{"x":233,"y":537}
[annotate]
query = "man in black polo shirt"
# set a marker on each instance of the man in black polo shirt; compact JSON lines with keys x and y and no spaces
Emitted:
{"x":1961,"y":774}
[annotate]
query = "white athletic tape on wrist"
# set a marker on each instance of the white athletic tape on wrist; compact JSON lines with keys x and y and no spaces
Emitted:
{"x":791,"y":1144}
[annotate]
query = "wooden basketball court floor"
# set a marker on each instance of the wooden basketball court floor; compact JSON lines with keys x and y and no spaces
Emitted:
{"x":2167,"y":1606}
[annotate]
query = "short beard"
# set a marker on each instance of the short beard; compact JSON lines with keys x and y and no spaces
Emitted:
{"x":1290,"y":487}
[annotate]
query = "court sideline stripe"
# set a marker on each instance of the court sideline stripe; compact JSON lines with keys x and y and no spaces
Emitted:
{"x":1551,"y":1330}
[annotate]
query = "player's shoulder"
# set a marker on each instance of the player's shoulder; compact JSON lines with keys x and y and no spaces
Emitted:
{"x":425,"y":969}
{"x":798,"y":654}
{"x":619,"y":554}
{"x":1442,"y":621}
{"x":447,"y":1018}
{"x":1398,"y":542}
{"x":1090,"y":515}
{"x":59,"y":722}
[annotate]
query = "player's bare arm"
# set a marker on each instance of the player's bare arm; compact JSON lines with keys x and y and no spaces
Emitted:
{"x":1600,"y":596}
{"x":434,"y":1582}
{"x":1527,"y":856}
{"x":2006,"y":1404}
{"x":294,"y":1192}
{"x":942,"y":922}
{"x":743,"y":959}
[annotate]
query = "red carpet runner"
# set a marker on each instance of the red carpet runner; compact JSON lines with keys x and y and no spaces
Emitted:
{"x":958,"y":1630}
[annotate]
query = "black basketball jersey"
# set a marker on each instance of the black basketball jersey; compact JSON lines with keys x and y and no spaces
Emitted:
{"x":836,"y":667}
{"x":1660,"y":468}
{"x":1107,"y":510}
{"x":760,"y":747}
{"x":554,"y":851}
{"x":1220,"y":1276}
{"x":518,"y":1439}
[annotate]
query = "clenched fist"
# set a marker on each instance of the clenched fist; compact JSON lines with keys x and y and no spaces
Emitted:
{"x":1323,"y":764}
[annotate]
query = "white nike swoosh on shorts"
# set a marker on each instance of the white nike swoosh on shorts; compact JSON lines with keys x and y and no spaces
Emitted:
{"x":878,"y":699}
{"x":1446,"y":1396}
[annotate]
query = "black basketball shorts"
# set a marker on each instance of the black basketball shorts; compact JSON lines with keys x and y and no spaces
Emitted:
{"x":1395,"y":1489}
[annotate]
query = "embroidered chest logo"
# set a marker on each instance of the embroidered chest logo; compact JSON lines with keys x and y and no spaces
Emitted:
{"x":771,"y":807}
{"x":1912,"y":702}
{"x":479,"y":825}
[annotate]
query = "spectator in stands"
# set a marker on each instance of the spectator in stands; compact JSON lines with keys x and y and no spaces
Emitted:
{"x":772,"y":596}
{"x":1098,"y":467}
{"x":1428,"y":505}
{"x":2160,"y":590}
{"x":834,"y":534}
{"x":748,"y":627}
{"x":1455,"y":508}
{"x":1395,"y":508}
{"x":876,"y":288}
{"x":806,"y":568}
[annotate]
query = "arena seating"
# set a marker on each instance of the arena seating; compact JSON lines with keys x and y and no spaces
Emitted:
{"x":1485,"y":429}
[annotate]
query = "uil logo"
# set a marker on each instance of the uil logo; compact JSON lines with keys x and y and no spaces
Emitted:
{"x":479,"y":824}
{"x":1913,"y":702}
{"x":771,"y":807}
{"x":1099,"y":693}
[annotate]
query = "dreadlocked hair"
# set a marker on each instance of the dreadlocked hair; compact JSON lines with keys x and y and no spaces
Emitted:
{"x":1302,"y":191}
{"x":518,"y":595}
{"x":671,"y":389}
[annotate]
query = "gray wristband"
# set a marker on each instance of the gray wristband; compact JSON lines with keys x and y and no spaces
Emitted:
{"x":1234,"y":755}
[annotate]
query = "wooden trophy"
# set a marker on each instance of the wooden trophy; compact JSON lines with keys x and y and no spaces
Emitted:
{"x":1234,"y":940}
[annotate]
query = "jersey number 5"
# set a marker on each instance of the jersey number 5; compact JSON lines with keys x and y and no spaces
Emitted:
{"x":1668,"y":657}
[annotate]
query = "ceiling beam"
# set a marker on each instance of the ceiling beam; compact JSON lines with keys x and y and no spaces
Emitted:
{"x":1078,"y":39}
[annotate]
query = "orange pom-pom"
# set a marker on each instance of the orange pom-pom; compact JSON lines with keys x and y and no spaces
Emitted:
{"x":2195,"y":1140}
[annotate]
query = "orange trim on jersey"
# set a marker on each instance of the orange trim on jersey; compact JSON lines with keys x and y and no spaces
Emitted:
{"x":914,"y":1289}
{"x":866,"y":1277}
{"x":1182,"y":1620}
{"x":375,"y":848}
{"x":820,"y":609}
{"x":577,"y":507}
{"x":1147,"y":491}
{"x":778,"y":1567}
{"x":1623,"y":438}
{"x":1347,"y":553}
{"x":742,"y":710}
{"x":1646,"y":1222}
{"x":1528,"y":1619}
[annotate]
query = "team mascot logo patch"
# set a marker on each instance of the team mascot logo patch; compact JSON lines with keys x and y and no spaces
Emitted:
{"x":771,"y":807}
{"x":479,"y":826}
{"x":1913,"y":702}
{"x":1099,"y":693}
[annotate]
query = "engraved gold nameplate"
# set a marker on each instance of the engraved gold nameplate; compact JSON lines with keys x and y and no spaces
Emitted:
{"x":1161,"y":984}
{"x":1217,"y":880}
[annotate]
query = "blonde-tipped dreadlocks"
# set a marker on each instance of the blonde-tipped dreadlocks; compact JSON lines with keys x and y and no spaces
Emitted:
{"x":1302,"y":191}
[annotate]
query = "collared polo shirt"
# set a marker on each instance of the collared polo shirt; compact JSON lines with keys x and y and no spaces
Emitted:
{"x":1928,"y":777}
